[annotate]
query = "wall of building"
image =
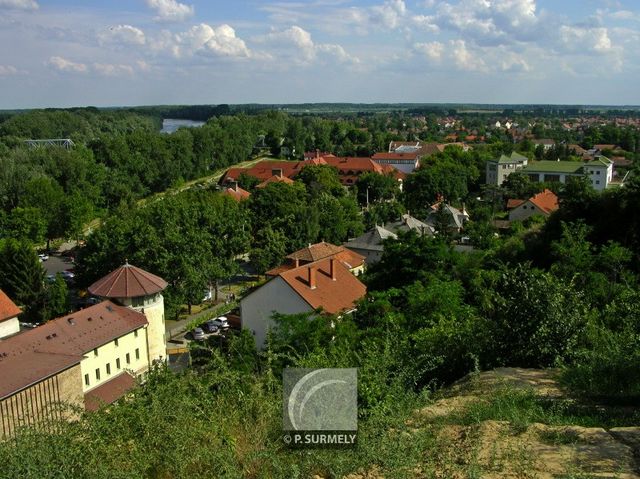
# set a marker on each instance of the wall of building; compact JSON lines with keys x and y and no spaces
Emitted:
{"x":153,"y":308}
{"x":105,"y":359}
{"x":9,"y":327}
{"x":524,"y":211}
{"x":257,"y":308}
{"x":44,"y":401}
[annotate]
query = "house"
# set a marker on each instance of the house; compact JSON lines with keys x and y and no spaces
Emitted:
{"x":455,"y":218}
{"x":406,"y":162}
{"x":546,"y":143}
{"x":325,"y":285}
{"x":278,"y":177}
{"x":498,"y":170}
{"x":543,"y":203}
{"x":598,"y":170}
{"x":370,"y":244}
{"x":9,"y":312}
{"x":235,"y":192}
{"x":88,"y":358}
{"x":315,"y":252}
{"x":349,"y":169}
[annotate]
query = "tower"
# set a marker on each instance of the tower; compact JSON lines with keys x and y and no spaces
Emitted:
{"x":141,"y":291}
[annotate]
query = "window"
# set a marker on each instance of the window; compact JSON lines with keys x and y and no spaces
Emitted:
{"x":115,"y":342}
{"x":86,"y":380}
{"x":128,"y":358}
{"x":95,"y":352}
{"x":118,"y":363}
{"x":598,"y":172}
{"x":108,"y":368}
{"x":98,"y":374}
{"x":137,"y":353}
{"x":135,"y":333}
{"x":597,"y":182}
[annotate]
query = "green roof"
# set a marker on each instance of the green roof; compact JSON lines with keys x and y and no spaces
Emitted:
{"x":602,"y":161}
{"x":553,"y":167}
{"x":514,"y":158}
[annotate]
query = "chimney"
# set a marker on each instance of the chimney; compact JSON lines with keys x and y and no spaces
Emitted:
{"x":317,"y":153}
{"x":234,"y":185}
{"x":332,"y":268}
{"x":297,"y":262}
{"x":277,"y":172}
{"x":312,"y":277}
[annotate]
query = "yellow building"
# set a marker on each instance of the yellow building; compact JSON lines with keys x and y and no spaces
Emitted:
{"x":88,"y":358}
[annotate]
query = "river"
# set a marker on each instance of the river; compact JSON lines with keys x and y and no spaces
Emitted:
{"x":169,"y":125}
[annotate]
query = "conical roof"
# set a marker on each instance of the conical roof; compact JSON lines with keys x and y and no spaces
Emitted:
{"x":127,"y":282}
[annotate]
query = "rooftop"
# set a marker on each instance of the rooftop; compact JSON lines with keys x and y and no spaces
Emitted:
{"x":109,"y":392}
{"x":127,"y":282}
{"x":317,"y":252}
{"x":8,"y":309}
{"x":553,"y":167}
{"x":332,"y":295}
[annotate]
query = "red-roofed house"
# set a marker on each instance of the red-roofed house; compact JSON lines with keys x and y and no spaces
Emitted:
{"x":235,"y":192}
{"x":9,"y":312}
{"x":315,"y":252}
{"x":349,"y":169}
{"x":543,"y":203}
{"x":326,"y":284}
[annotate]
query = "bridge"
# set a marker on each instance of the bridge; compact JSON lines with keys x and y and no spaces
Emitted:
{"x":63,"y":142}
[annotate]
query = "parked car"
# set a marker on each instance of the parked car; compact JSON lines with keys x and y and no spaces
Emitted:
{"x":221,"y":322}
{"x":51,"y":278}
{"x":198,"y":334}
{"x":210,"y":326}
{"x":43,"y":257}
{"x":67,"y":275}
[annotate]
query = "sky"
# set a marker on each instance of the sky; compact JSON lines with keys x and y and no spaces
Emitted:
{"x":60,"y":53}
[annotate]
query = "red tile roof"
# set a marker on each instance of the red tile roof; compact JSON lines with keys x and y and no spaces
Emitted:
{"x":109,"y":392}
{"x":547,"y":201}
{"x":127,"y":282}
{"x":317,"y":252}
{"x":333,"y":296}
{"x":39,"y":353}
{"x":8,"y":309}
{"x":275,"y":179}
{"x":514,"y":203}
{"x":236,"y":193}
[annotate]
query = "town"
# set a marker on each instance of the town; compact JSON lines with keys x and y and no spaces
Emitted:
{"x":285,"y":251}
{"x":323,"y":239}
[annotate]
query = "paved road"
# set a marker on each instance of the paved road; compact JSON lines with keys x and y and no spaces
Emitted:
{"x":57,"y":264}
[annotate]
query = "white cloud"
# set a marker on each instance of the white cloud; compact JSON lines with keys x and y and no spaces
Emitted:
{"x":8,"y":70}
{"x":432,"y":50}
{"x":19,"y":4}
{"x":108,"y":69}
{"x":577,"y":39}
{"x":122,"y":34}
{"x":491,"y":22}
{"x":64,"y":65}
{"x":171,"y":10}
{"x":512,"y":62}
{"x":295,"y":44}
{"x":204,"y":39}
{"x":389,"y":14}
{"x":466,"y":60}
